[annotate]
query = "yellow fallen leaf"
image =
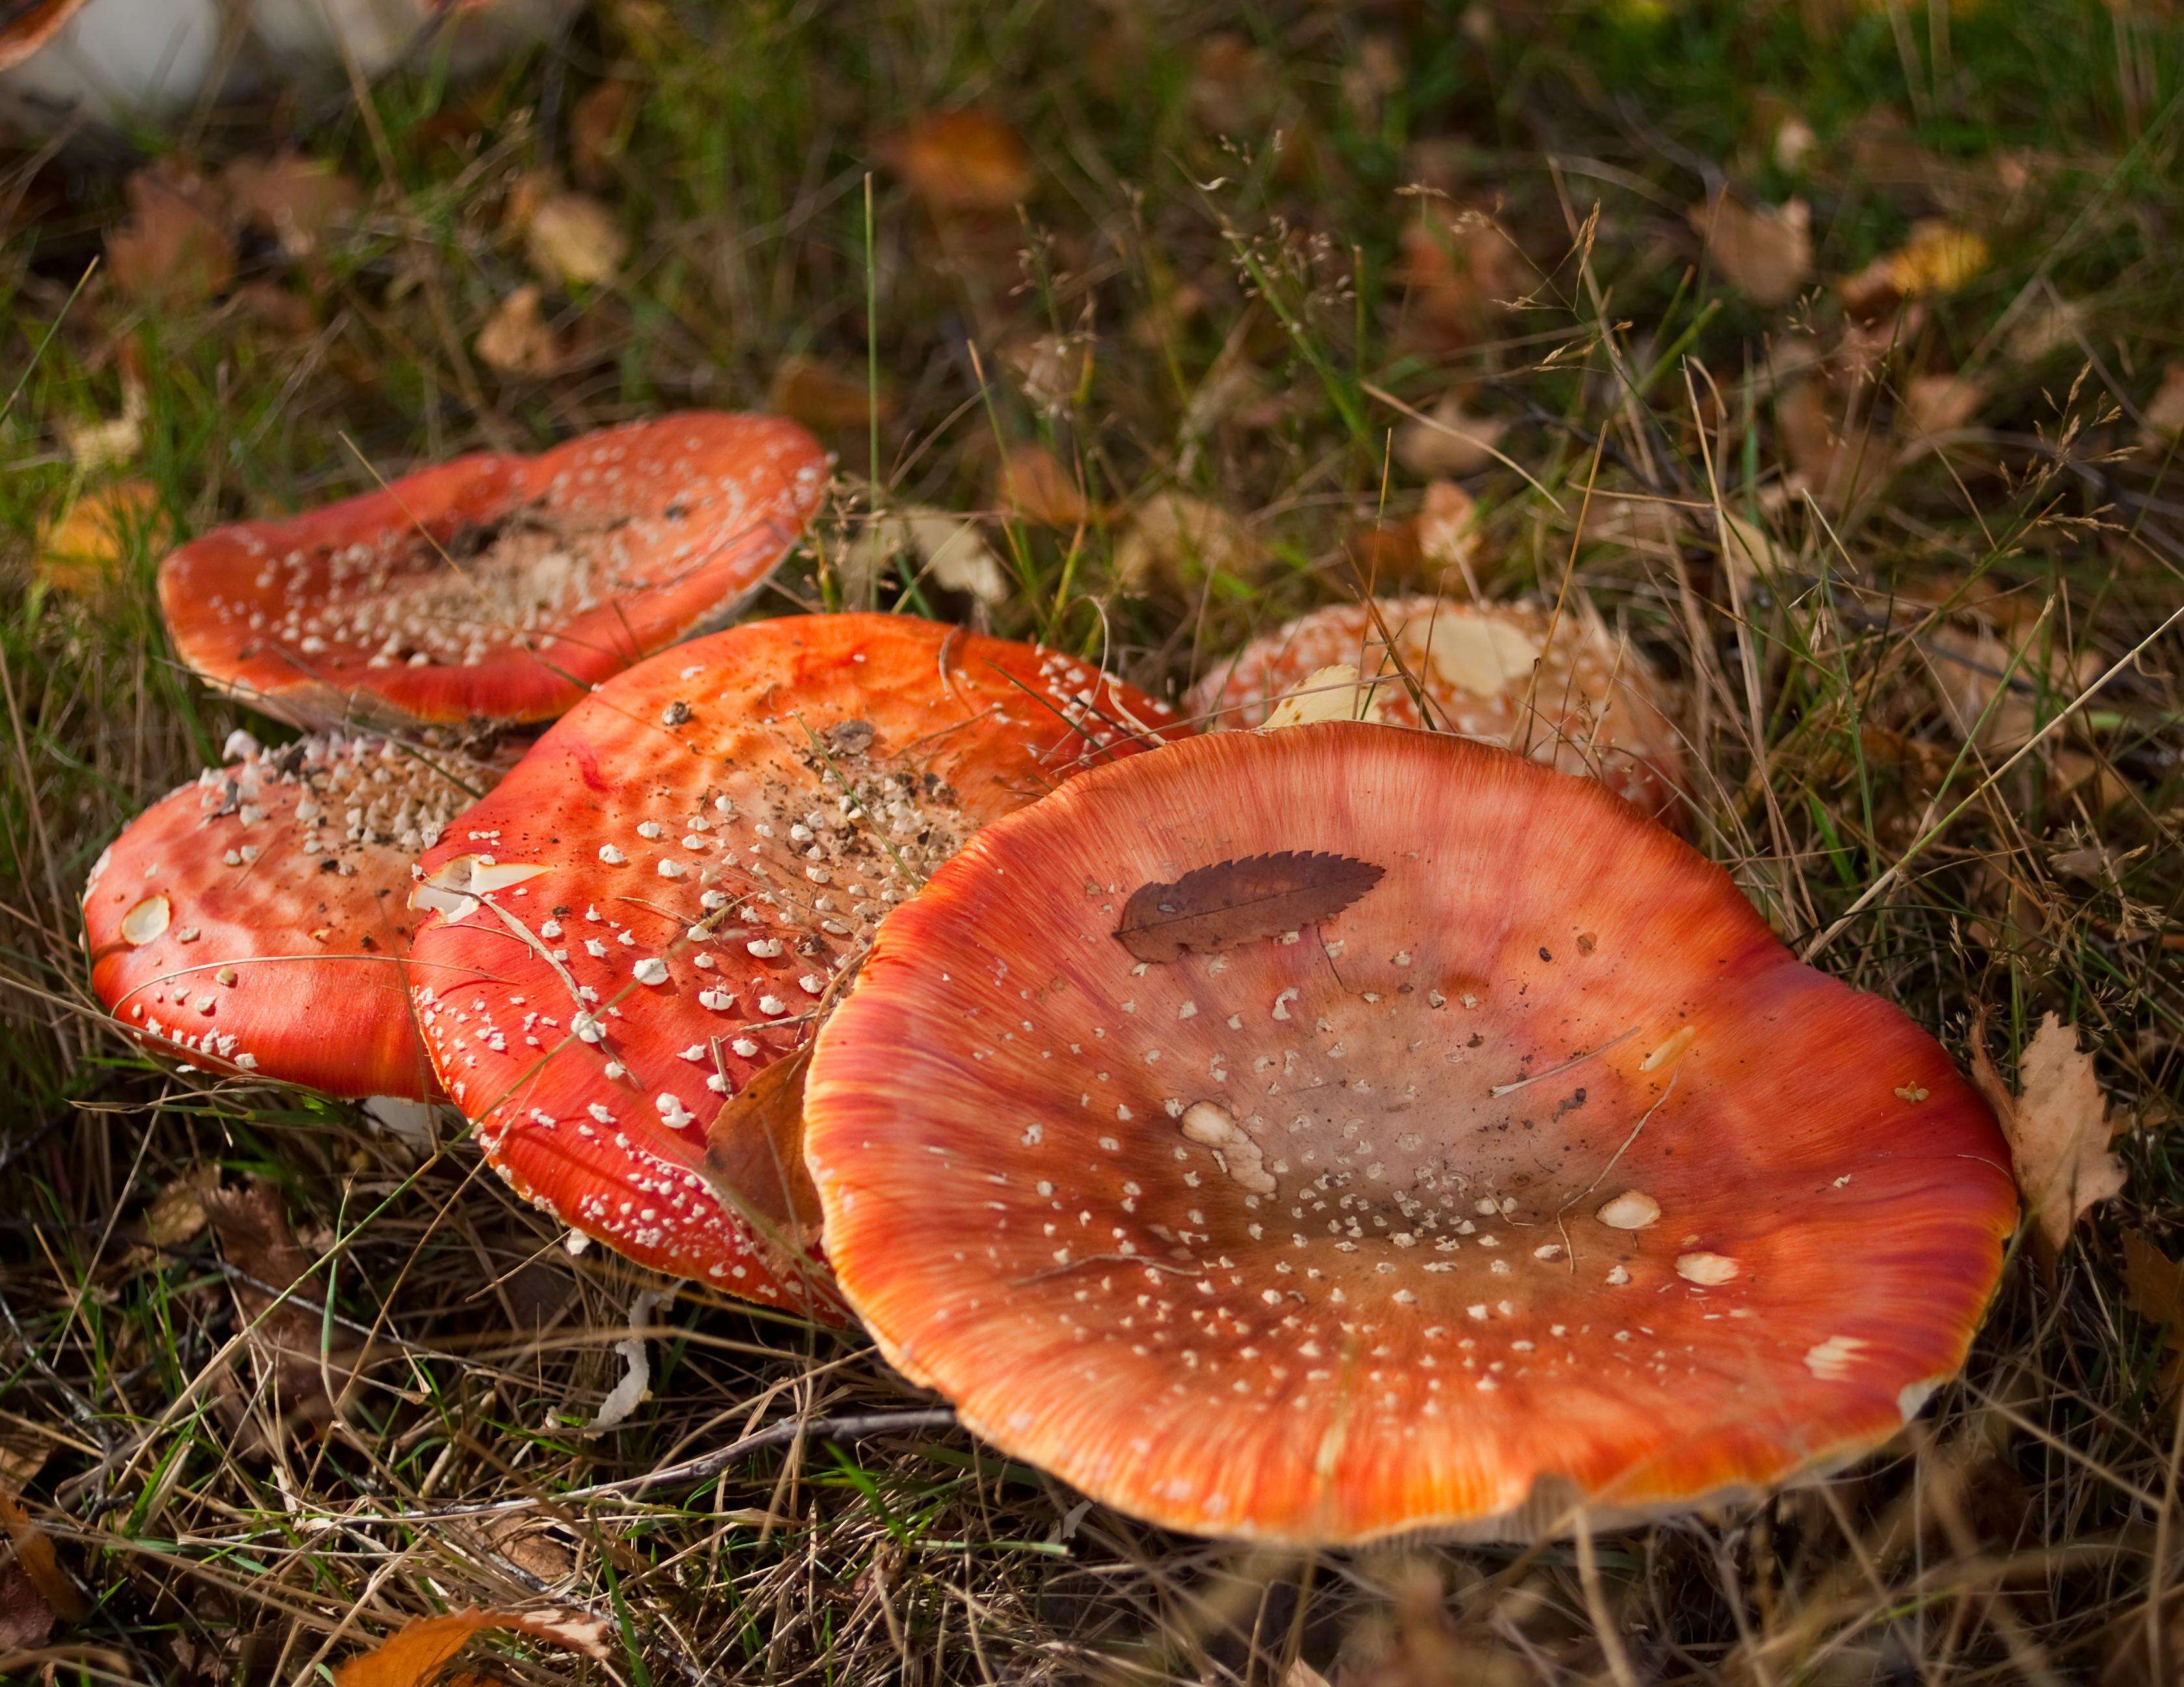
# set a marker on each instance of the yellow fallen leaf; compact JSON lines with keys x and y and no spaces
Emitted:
{"x":1764,"y":250}
{"x":2056,"y":1126}
{"x":81,"y":550}
{"x":419,"y":1651}
{"x":1939,"y":257}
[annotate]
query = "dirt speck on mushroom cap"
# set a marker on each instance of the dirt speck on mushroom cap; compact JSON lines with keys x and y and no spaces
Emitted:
{"x":718,"y":832}
{"x":1563,"y":690}
{"x":495,"y":588}
{"x":258,"y":920}
{"x":1302,"y":1240}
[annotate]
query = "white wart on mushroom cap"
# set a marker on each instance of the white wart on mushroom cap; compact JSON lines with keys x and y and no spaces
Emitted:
{"x":1328,"y":1133}
{"x":654,"y":908}
{"x":258,"y":920}
{"x":494,"y":587}
{"x":1563,"y":690}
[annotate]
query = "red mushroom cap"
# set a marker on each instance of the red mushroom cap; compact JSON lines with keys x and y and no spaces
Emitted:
{"x":1563,"y":690}
{"x":684,"y":866}
{"x":27,"y":24}
{"x":1323,"y":1134}
{"x":494,"y":587}
{"x":258,"y":920}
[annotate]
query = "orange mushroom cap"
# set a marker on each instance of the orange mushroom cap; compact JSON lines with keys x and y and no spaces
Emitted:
{"x":494,"y":587}
{"x":1338,"y":1131}
{"x":663,"y":894}
{"x":258,"y":920}
{"x":1562,"y":689}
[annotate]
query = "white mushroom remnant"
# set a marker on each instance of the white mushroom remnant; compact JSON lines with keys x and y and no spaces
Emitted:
{"x":1632,"y":1210}
{"x":146,"y":921}
{"x":1208,"y":1123}
{"x":1707,"y":1270}
{"x":1831,"y":1360}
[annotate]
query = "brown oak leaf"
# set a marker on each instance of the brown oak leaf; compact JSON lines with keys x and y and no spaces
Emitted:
{"x":2056,"y":1126}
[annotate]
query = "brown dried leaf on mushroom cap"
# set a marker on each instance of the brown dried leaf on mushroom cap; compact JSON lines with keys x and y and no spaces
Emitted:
{"x":1216,"y":907}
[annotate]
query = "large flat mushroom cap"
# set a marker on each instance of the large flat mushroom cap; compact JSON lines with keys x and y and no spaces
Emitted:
{"x":1525,"y":1168}
{"x":258,"y":920}
{"x":669,"y":884}
{"x":494,"y":587}
{"x":1561,"y":689}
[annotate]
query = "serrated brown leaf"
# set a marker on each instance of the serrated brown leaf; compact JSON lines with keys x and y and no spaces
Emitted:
{"x":419,"y":1652}
{"x":1237,"y":902}
{"x":2056,"y":1126}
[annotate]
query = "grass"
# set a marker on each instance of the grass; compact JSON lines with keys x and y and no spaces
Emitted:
{"x":1208,"y":290}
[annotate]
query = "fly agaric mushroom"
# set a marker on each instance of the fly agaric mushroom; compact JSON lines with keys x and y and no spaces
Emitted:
{"x":648,"y":916}
{"x":1324,"y":1134}
{"x":494,"y":587}
{"x":258,"y":920}
{"x":1562,"y":690}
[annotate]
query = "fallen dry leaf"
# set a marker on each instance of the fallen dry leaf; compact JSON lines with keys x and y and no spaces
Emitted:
{"x":575,"y":240}
{"x":172,"y":249}
{"x":1335,"y":693}
{"x":517,"y":339}
{"x":956,"y":161}
{"x":1989,"y":686}
{"x":35,"y":1557}
{"x":1175,"y":537}
{"x":755,"y":1158}
{"x":1938,"y":258}
{"x":2057,"y":1127}
{"x":419,"y":1652}
{"x":1748,"y":551}
{"x":295,"y":199}
{"x":2164,"y":410}
{"x":306,"y":1373}
{"x":1449,"y":533}
{"x":82,"y":551}
{"x":825,"y":398}
{"x":1940,"y":403}
{"x":1458,"y":268}
{"x":26,"y":1619}
{"x":1031,"y":482}
{"x":1834,"y":456}
{"x":948,"y":550}
{"x":2155,"y":1285}
{"x":599,"y":127}
{"x":1448,"y":442}
{"x":1229,"y":902}
{"x":178,"y":1211}
{"x":1763,"y":251}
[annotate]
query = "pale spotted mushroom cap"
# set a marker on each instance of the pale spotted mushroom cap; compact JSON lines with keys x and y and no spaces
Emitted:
{"x":258,"y":920}
{"x":653,"y":907}
{"x":1565,"y":691}
{"x":1534,"y":1173}
{"x":494,"y":587}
